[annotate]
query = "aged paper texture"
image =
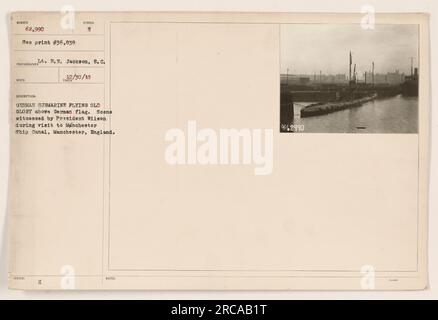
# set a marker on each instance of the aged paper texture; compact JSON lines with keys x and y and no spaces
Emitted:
{"x":219,"y":151}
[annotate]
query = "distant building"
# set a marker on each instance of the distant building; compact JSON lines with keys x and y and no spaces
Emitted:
{"x":295,"y":79}
{"x":303,"y":79}
{"x":392,"y":78}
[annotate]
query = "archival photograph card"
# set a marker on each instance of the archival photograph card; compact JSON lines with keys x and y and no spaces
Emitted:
{"x":218,"y":151}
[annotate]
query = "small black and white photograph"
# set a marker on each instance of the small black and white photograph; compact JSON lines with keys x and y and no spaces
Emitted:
{"x":343,"y":78}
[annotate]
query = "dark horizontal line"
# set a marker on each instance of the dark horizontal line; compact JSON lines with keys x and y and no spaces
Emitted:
{"x":59,"y":83}
{"x":59,"y":50}
{"x":206,"y":276}
{"x":57,"y":34}
{"x":261,"y":22}
{"x":265,"y":270}
{"x":78,"y":66}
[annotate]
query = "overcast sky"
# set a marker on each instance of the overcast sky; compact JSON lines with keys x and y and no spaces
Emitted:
{"x":309,"y":48}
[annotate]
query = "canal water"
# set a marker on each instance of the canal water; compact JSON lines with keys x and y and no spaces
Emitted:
{"x":390,"y":115}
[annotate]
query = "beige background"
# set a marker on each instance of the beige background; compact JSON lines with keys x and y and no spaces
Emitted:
{"x":333,"y":201}
{"x":352,"y":198}
{"x":292,"y":294}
